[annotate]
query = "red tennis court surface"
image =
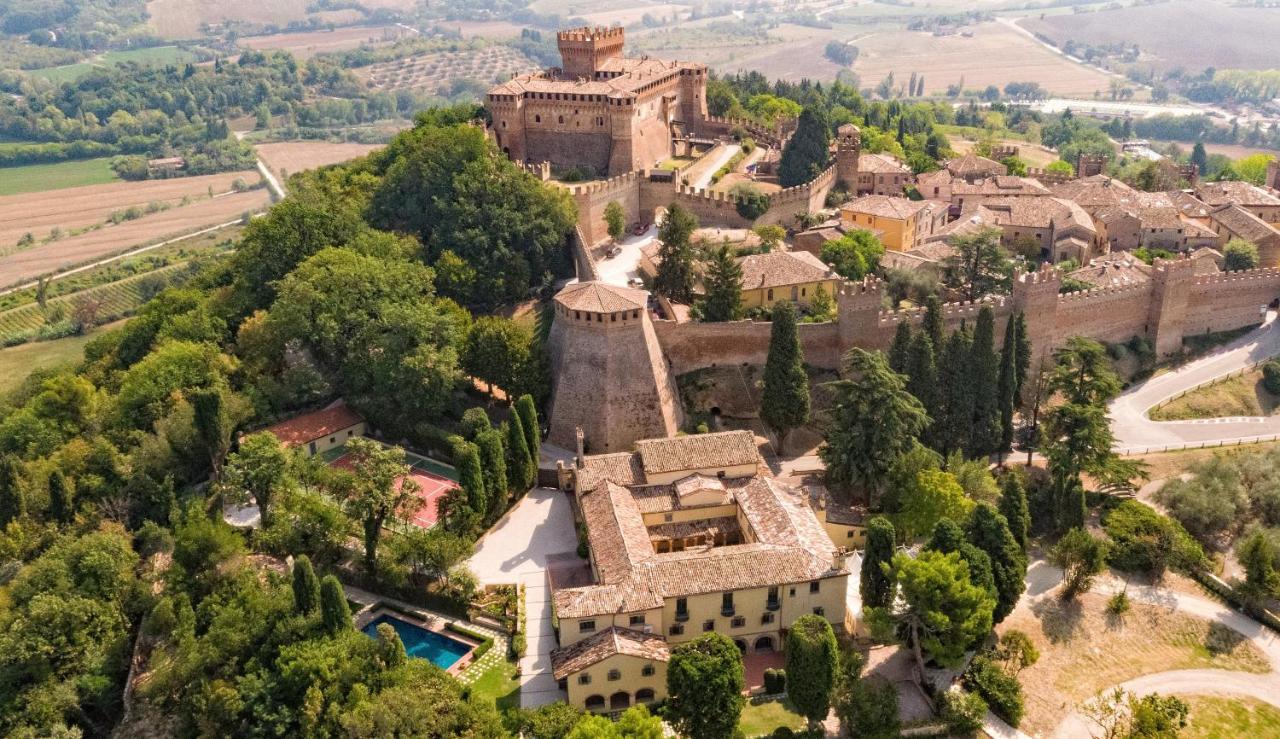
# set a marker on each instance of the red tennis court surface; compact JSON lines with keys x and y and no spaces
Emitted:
{"x":431,"y":488}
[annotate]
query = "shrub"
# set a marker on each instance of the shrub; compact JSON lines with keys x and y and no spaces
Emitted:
{"x":1271,"y":376}
{"x":775,"y":681}
{"x":1118,"y":604}
{"x":963,"y":711}
{"x":1001,"y":691}
{"x":1146,"y":541}
{"x":751,"y":203}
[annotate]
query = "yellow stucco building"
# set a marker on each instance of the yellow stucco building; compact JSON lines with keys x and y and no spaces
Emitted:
{"x":784,"y":275}
{"x":687,"y":535}
{"x":904,"y":223}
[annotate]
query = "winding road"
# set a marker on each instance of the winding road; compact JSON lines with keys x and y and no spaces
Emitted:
{"x":1135,"y":432}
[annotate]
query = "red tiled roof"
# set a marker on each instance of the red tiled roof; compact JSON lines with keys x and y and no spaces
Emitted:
{"x":315,"y":425}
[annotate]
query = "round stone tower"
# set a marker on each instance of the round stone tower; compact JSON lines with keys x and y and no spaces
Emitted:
{"x":610,"y":378}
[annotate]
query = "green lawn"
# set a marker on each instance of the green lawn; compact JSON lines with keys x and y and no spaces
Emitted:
{"x":159,"y":55}
{"x":501,"y":684}
{"x":16,"y":362}
{"x":65,"y":73}
{"x":1213,"y":716}
{"x":43,"y":177}
{"x":760,"y":719}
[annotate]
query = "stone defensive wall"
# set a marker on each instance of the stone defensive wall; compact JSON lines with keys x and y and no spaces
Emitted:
{"x":718,"y":126}
{"x":1175,"y":304}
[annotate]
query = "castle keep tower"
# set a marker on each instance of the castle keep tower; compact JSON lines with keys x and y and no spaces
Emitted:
{"x":611,"y":378}
{"x":583,"y":51}
{"x":848,"y":149}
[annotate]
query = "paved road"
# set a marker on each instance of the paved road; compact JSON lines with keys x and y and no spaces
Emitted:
{"x":1135,"y":431}
{"x":515,"y":550}
{"x":626,"y":266}
{"x":699,"y":173}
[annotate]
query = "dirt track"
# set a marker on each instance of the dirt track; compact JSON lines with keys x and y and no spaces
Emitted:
{"x":31,"y":263}
{"x":77,"y":207}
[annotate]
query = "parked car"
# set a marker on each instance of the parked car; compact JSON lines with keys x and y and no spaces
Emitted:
{"x":613,"y":252}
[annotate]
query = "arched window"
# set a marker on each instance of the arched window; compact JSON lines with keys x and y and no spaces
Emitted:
{"x":594,"y":702}
{"x":644,"y":695}
{"x":619,"y":700}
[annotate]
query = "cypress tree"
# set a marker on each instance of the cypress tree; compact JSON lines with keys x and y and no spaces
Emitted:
{"x":520,"y":469}
{"x":474,"y":422}
{"x":806,"y":152}
{"x":785,"y":404}
{"x":875,"y":585}
{"x":956,"y":417}
{"x":306,"y":588}
{"x":1007,"y":385}
{"x":1069,"y":498}
{"x":493,"y":460}
{"x":947,"y":537}
{"x":212,"y":424}
{"x":984,"y":370}
{"x":61,"y":507}
{"x":675,"y":278}
{"x":813,"y":660}
{"x":922,"y":373}
{"x":1013,"y":506}
{"x":900,"y":349}
{"x":471,"y":477}
{"x":390,"y":648}
{"x":335,"y":614}
{"x":13,"y":503}
{"x":1023,"y":353}
{"x":531,"y":427}
{"x":989,"y":531}
{"x":933,"y":322}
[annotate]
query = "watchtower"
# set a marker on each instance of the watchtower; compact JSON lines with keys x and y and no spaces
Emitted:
{"x":1273,"y":174}
{"x":848,"y":149}
{"x":611,"y":378}
{"x":1036,"y":295}
{"x":1172,"y":282}
{"x":584,"y":50}
{"x":1088,"y":165}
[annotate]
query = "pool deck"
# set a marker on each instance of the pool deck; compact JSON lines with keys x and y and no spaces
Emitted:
{"x":375,"y":606}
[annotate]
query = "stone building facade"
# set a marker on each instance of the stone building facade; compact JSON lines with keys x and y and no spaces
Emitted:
{"x":600,"y":112}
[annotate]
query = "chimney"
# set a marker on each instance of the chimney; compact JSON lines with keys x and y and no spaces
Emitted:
{"x":839,"y":558}
{"x":581,"y":440}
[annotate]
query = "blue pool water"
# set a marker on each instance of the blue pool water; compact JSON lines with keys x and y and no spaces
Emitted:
{"x":419,"y":642}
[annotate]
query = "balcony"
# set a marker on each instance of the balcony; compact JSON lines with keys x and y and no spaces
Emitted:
{"x":682,"y":615}
{"x":727,"y":611}
{"x":773,"y":604}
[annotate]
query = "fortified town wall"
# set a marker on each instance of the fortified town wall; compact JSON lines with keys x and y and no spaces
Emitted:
{"x":1176,"y":303}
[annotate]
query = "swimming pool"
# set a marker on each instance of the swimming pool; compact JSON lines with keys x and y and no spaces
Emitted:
{"x":422,"y":643}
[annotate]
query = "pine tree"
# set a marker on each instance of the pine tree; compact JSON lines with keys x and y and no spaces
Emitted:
{"x":471,"y":477}
{"x":1023,"y":353}
{"x":306,"y":588}
{"x":984,"y":370}
{"x":723,"y":301}
{"x":900,"y":349}
{"x":531,"y":426}
{"x":785,"y":404}
{"x":13,"y":502}
{"x":876,"y":585}
{"x":521,"y":472}
{"x":493,"y":461}
{"x":335,"y":614}
{"x":1007,"y":384}
{"x":61,"y":508}
{"x":933,"y":322}
{"x":1013,"y":506}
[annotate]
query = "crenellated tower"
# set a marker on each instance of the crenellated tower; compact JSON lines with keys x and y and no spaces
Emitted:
{"x":584,"y":50}
{"x":848,"y":150}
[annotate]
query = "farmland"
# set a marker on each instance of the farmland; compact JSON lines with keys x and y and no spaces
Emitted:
{"x":186,"y":19}
{"x":1192,"y":34}
{"x":114,"y":300}
{"x":432,"y":71}
{"x":58,"y":255}
{"x":146,"y":55}
{"x":43,"y":177}
{"x":309,"y":43}
{"x":39,"y":212}
{"x":17,"y":362}
{"x":289,"y":157}
{"x":994,"y":55}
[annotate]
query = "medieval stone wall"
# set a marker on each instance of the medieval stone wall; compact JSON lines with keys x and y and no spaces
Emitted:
{"x":1231,"y":300}
{"x":565,"y":148}
{"x":1106,"y":314}
{"x":691,"y":346}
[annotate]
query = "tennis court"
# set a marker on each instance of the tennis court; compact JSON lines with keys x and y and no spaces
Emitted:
{"x":434,"y":480}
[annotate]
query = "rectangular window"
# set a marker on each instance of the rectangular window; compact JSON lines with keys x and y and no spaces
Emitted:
{"x":766,"y":618}
{"x":676,"y":629}
{"x":682,"y":608}
{"x":584,"y":679}
{"x":615,"y":674}
{"x":586,"y":626}
{"x":647,"y":671}
{"x":815,"y":586}
{"x":738,"y":622}
{"x":818,"y":611}
{"x":709,"y":625}
{"x":637,"y":620}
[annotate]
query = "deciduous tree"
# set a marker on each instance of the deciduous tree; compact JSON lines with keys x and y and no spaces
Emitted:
{"x":615,"y":219}
{"x":1081,"y":556}
{"x":379,"y":488}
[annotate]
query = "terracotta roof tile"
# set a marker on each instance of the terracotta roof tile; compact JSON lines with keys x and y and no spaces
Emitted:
{"x":1240,"y":193}
{"x":881,"y":164}
{"x":600,"y":297}
{"x":782,"y":268}
{"x":604,"y":644}
{"x":697,"y":451}
{"x":308,"y":427}
{"x":971,"y":164}
{"x":1244,"y":224}
{"x":885,"y":206}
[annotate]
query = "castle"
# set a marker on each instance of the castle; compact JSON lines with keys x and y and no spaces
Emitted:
{"x":600,"y":112}
{"x":615,"y":365}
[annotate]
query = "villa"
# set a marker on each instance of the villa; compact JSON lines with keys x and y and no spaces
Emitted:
{"x":686,"y":535}
{"x":322,"y":430}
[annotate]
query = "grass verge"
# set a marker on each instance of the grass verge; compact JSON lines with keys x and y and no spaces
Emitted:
{"x":1214,"y":716}
{"x":1241,"y":395}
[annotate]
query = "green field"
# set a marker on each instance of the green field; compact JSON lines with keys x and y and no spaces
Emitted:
{"x":43,"y":177}
{"x":159,"y":55}
{"x":16,"y":362}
